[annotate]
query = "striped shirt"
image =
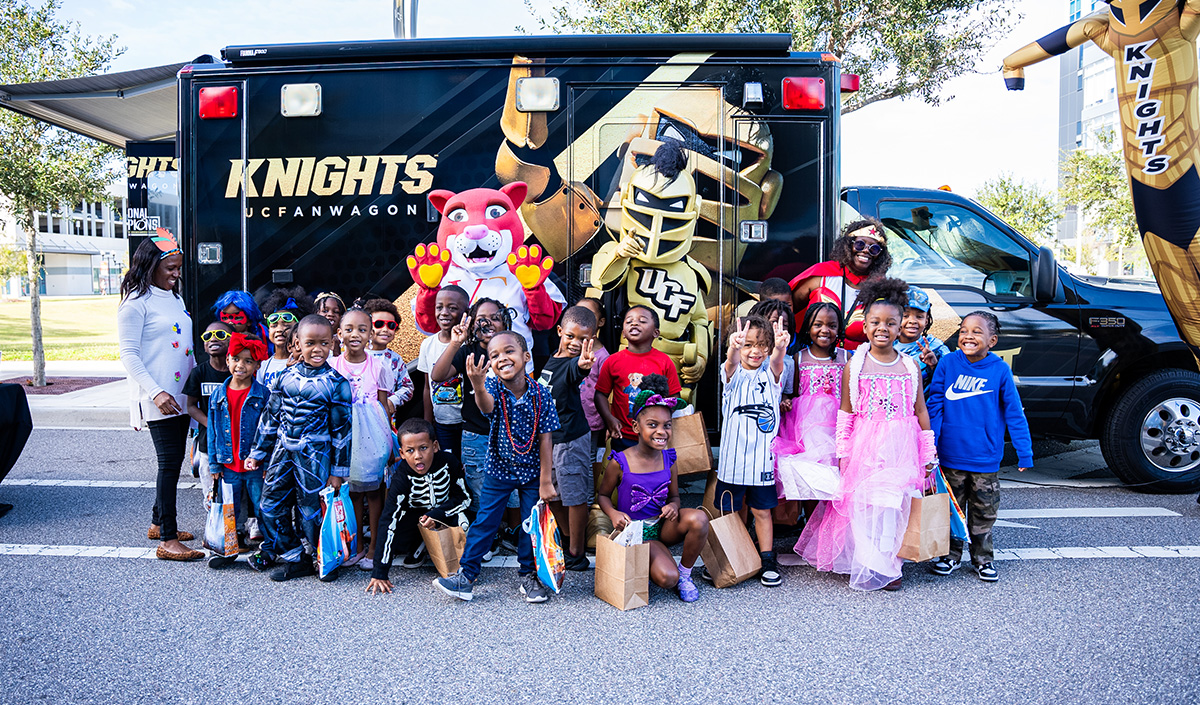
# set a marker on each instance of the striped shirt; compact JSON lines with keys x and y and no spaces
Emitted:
{"x":750,"y":406}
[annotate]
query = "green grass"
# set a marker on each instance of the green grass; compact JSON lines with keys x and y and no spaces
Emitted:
{"x":73,"y":328}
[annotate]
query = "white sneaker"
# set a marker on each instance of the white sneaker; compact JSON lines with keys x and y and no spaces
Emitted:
{"x":253,"y":529}
{"x":366,"y":564}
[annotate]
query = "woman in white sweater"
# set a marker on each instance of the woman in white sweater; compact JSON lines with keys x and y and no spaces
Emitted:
{"x":155,"y":334}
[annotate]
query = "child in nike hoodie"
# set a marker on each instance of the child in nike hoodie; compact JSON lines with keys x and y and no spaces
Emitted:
{"x":971,"y":400}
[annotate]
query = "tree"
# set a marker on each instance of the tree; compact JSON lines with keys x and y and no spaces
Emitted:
{"x":12,"y":263}
{"x":1096,"y":183}
{"x":1030,"y":210}
{"x":899,"y":48}
{"x":43,"y":167}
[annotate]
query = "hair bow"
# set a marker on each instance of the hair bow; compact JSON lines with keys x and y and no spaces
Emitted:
{"x":640,"y":497}
{"x":239,"y":342}
{"x":289,"y":305}
{"x":646,"y":398}
{"x":166,"y":243}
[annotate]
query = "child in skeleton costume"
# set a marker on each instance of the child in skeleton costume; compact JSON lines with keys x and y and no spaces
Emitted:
{"x":305,"y":434}
{"x":1154,"y":44}
{"x":882,"y":442}
{"x":426,"y":488}
{"x":659,"y":209}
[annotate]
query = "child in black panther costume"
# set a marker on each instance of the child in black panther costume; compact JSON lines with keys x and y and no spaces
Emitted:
{"x":306,"y":434}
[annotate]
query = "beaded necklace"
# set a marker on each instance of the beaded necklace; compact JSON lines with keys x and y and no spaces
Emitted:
{"x":524,"y":448}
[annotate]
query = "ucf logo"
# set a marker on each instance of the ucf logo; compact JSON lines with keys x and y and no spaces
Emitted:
{"x":669,"y":295}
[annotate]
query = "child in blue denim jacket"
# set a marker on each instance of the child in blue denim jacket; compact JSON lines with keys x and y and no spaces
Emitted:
{"x":233,"y":412}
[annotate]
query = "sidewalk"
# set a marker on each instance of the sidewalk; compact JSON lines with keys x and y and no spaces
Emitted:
{"x":102,"y":406}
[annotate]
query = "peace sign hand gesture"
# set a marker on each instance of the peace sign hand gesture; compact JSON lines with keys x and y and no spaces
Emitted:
{"x":928,"y":356}
{"x":782,"y":337}
{"x":738,"y":339}
{"x":476,"y":371}
{"x":460,"y":332}
{"x":586,"y":357}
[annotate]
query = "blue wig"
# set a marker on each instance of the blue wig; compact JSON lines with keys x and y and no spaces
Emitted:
{"x":243,"y":301}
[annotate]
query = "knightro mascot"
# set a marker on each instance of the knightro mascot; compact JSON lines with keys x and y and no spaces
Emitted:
{"x":1154,"y":45}
{"x":659,"y":209}
{"x":479,"y":247}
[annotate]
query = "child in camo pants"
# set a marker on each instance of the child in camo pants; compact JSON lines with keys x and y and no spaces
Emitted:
{"x":972,"y":400}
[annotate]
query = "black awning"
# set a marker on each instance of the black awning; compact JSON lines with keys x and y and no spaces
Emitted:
{"x":115,"y":108}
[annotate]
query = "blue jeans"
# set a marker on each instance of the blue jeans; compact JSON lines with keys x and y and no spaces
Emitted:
{"x":491,"y":509}
{"x":243,"y":484}
{"x":449,"y":437}
{"x":474,"y":458}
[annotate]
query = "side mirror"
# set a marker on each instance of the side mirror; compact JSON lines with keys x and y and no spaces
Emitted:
{"x":1045,"y":276}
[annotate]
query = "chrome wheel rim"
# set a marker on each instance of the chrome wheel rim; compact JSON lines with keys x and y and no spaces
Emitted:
{"x":1171,"y":435}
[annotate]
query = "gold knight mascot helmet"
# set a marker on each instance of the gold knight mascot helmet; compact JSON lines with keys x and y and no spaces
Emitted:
{"x":1154,"y":45}
{"x":659,"y":210}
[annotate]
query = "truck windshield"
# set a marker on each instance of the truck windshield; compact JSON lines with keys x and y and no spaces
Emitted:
{"x":941,"y":243}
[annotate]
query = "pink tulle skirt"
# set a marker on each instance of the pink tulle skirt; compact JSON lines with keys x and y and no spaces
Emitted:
{"x":859,"y":532}
{"x":805,"y":454}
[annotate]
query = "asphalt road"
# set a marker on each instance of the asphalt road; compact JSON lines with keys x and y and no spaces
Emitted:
{"x":118,"y":630}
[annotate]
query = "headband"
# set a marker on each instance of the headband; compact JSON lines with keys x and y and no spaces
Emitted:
{"x":870,"y":232}
{"x":646,"y":398}
{"x":239,"y":342}
{"x":166,"y":243}
{"x":329,"y":295}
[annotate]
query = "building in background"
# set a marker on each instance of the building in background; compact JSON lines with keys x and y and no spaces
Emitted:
{"x":1087,"y":107}
{"x":84,"y":248}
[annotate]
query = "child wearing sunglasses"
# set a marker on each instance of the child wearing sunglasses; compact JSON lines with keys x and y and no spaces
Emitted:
{"x":385,"y":320}
{"x":238,"y":310}
{"x":285,"y":307}
{"x":201,"y":381}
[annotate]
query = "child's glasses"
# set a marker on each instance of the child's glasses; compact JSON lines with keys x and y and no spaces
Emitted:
{"x":381,"y":324}
{"x":210,"y":335}
{"x":282,"y":317}
{"x":873,"y":248}
{"x":236,"y":319}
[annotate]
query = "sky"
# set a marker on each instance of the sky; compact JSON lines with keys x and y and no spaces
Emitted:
{"x":981,"y":132}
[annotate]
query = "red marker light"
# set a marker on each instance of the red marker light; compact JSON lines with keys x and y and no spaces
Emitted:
{"x":850,"y":82}
{"x":803,"y":93}
{"x":218,"y":102}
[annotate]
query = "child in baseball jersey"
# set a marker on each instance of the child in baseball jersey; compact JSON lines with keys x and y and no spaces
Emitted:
{"x":746,"y":469}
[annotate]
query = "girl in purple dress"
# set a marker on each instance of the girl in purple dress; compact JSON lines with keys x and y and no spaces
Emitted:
{"x":648,"y":490}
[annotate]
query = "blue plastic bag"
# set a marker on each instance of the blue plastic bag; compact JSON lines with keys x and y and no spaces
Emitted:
{"x":338,"y":539}
{"x":547,"y":546}
{"x":958,"y":518}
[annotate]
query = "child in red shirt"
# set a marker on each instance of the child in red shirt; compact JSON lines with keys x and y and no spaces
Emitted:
{"x":622,"y":372}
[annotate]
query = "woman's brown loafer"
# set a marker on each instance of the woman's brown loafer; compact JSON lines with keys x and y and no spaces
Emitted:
{"x":188,"y":555}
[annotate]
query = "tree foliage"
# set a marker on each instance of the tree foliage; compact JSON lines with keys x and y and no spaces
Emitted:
{"x":1032,"y":211}
{"x":12,"y":263}
{"x":1095,"y":182}
{"x":899,"y":48}
{"x":43,"y":167}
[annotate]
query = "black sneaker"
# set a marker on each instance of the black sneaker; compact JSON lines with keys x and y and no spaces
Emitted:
{"x":987,"y":572}
{"x":944,"y":566}
{"x":579,"y":563}
{"x":287,"y":571}
{"x":219,"y":562}
{"x":416,"y":559}
{"x":533,"y":590}
{"x":707,"y":576}
{"x":769,"y":575}
{"x":260,"y":561}
{"x":329,"y":578}
{"x":508,"y":540}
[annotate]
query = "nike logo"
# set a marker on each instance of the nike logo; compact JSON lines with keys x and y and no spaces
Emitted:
{"x":953,"y":394}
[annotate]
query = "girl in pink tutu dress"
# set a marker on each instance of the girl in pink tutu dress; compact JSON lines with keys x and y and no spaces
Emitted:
{"x":884,"y":448}
{"x":806,"y":462}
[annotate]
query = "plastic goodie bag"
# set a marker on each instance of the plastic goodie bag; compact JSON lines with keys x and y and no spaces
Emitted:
{"x":220,"y":530}
{"x":338,"y":540}
{"x":547,"y":546}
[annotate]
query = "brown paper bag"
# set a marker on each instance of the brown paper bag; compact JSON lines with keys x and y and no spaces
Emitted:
{"x":710,"y":488}
{"x":598,"y":524}
{"x":787,"y":512}
{"x":622,"y":573}
{"x":689,"y":438}
{"x":445,"y":545}
{"x":928,"y":532}
{"x":730,"y":554}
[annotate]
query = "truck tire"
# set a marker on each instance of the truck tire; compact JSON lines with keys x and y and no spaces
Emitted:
{"x":1151,"y":438}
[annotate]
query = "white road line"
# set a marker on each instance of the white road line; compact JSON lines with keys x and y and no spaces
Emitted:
{"x":1036,"y":554}
{"x":1086,"y":513}
{"x":109,"y":484}
{"x":30,"y":549}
